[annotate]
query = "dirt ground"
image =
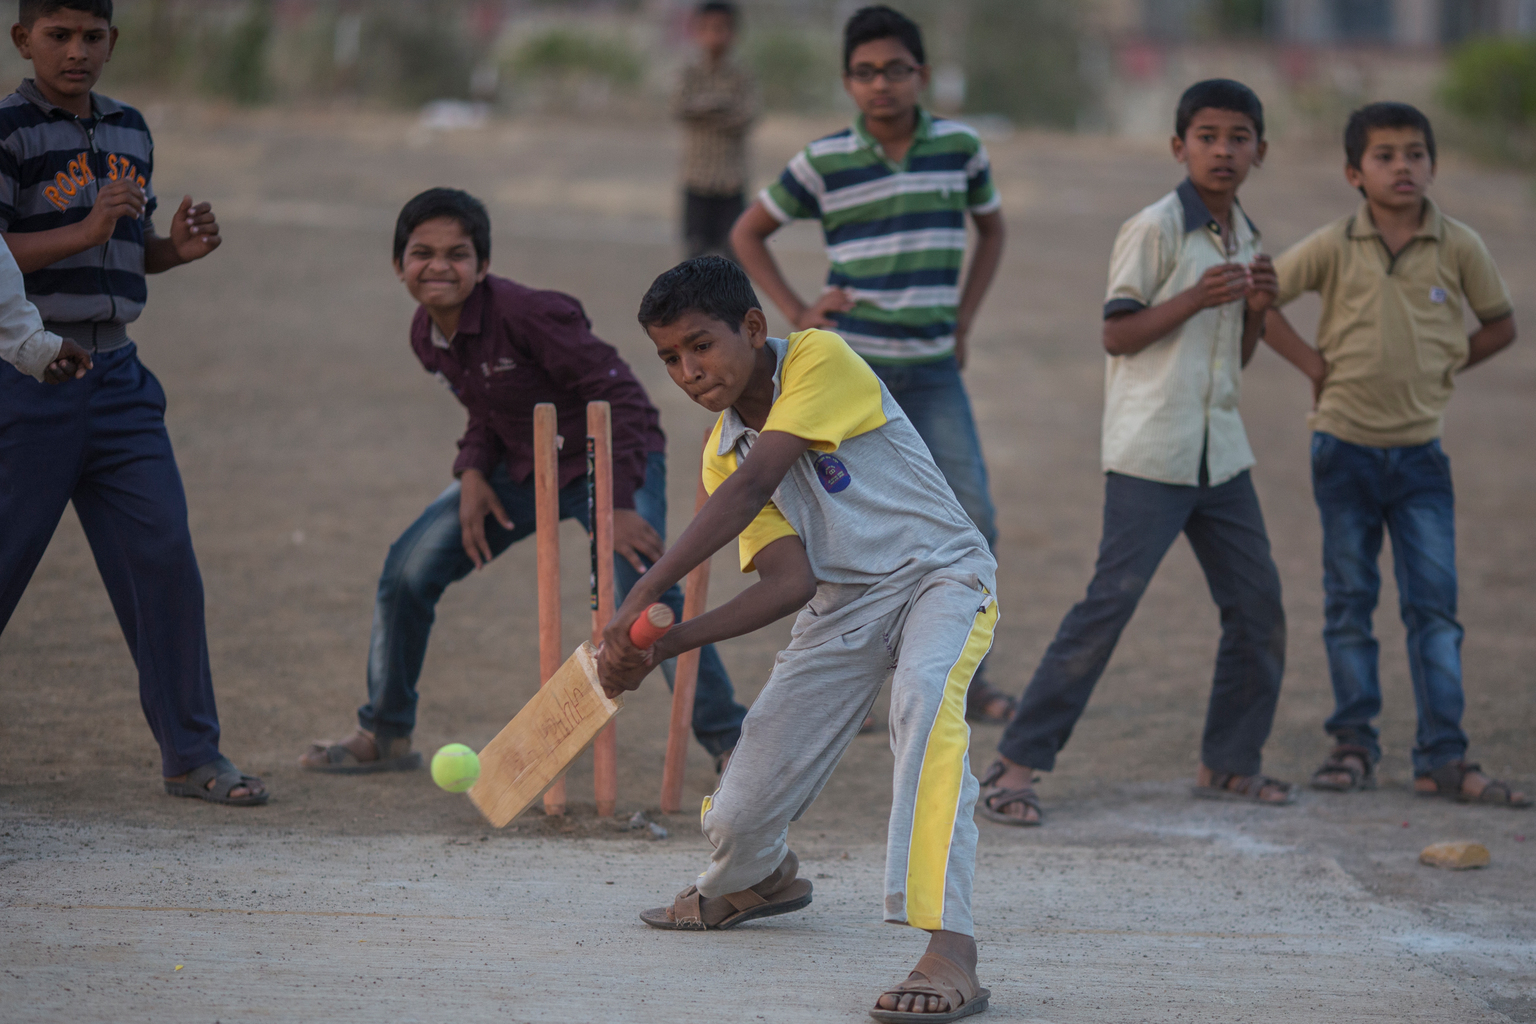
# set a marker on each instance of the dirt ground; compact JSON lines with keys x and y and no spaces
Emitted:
{"x":309,"y":438}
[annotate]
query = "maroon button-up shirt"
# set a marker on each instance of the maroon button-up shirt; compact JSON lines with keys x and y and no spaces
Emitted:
{"x":517,"y":347}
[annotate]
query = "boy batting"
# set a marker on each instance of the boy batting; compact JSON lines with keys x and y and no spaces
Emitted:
{"x":842,"y":513}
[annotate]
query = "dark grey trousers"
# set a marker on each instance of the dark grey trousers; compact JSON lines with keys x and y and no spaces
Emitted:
{"x":1142,"y":519}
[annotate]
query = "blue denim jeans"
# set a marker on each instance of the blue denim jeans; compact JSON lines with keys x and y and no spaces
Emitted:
{"x":1359,"y":491}
{"x":430,"y":555}
{"x":1142,"y":519}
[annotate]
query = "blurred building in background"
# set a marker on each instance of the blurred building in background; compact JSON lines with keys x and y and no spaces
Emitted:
{"x":1114,"y":66}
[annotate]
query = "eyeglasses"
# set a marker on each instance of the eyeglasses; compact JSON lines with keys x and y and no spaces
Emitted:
{"x":895,"y":72}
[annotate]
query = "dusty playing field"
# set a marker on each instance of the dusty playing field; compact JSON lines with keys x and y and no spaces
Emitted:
{"x":308,"y":438}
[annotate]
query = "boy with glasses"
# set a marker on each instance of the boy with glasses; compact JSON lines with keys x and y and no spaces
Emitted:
{"x":892,"y":194}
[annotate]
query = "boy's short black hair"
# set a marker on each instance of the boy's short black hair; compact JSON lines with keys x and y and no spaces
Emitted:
{"x":1218,"y":94}
{"x":28,"y":11}
{"x":881,"y":22}
{"x":445,"y":202}
{"x":711,"y":285}
{"x":1357,"y":132}
{"x":718,"y":7}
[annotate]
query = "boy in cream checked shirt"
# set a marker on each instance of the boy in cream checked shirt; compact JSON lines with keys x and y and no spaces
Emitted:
{"x":1188,"y":289}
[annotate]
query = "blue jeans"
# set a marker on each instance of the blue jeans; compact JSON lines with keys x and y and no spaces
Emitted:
{"x":430,"y":555}
{"x":934,"y":399}
{"x":100,"y":442}
{"x":1359,"y":490}
{"x":1142,"y":519}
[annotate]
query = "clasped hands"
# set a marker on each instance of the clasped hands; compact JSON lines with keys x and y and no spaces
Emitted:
{"x":1255,"y":282}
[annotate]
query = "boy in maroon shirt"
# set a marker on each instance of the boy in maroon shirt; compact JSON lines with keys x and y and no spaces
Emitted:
{"x":502,"y":349}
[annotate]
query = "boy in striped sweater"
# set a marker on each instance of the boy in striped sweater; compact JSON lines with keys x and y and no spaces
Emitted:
{"x":77,"y":203}
{"x":892,"y":193}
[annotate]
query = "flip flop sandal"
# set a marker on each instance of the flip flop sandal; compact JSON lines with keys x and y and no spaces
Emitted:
{"x":982,"y":696}
{"x":942,"y":977}
{"x":225,"y":777}
{"x":1345,"y":759}
{"x":1249,"y":790}
{"x":1449,"y":777}
{"x":338,"y":759}
{"x":779,"y":893}
{"x":994,"y":798}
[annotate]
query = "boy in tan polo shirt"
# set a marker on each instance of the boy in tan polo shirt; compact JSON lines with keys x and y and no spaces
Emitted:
{"x":1395,"y":276}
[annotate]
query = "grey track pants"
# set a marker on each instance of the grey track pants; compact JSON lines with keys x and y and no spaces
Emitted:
{"x":798,"y":728}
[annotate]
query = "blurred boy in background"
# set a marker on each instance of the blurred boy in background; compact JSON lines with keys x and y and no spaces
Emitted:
{"x":716,"y":103}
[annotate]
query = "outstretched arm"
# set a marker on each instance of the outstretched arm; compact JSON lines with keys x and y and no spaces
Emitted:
{"x":785,"y":583}
{"x":730,"y":510}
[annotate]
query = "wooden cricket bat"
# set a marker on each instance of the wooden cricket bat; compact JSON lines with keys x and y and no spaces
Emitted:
{"x":562,"y":720}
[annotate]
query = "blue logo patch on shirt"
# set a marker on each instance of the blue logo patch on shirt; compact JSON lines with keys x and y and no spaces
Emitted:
{"x":1437,"y":295}
{"x":833,"y":474}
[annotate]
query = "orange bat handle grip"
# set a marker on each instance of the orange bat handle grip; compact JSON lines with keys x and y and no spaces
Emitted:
{"x":650,"y":626}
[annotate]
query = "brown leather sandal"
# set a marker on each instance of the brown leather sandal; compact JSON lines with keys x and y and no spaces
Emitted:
{"x":979,"y":700}
{"x":1249,"y":789}
{"x":396,"y":755}
{"x":939,"y":976}
{"x":779,"y":893}
{"x":1345,"y":759}
{"x":994,"y":798}
{"x":1448,"y":779}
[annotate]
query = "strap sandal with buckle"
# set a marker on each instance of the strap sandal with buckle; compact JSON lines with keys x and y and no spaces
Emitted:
{"x":994,"y":799}
{"x":986,"y":703}
{"x":226,"y":778}
{"x":1346,"y":759}
{"x":941,"y":977}
{"x":1249,"y":789}
{"x":1449,"y":778}
{"x":779,"y":893}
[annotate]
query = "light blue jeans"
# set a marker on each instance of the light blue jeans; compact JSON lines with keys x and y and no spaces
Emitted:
{"x":1359,"y":491}
{"x":430,"y":555}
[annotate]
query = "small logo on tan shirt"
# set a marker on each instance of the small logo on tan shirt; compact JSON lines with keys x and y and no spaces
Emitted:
{"x":1437,"y":295}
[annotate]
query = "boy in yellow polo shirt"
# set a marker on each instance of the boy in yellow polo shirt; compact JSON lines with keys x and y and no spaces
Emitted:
{"x":1395,"y":277}
{"x":844,"y":516}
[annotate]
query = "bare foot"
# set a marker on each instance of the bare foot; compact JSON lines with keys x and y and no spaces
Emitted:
{"x":1272,"y":793}
{"x":1015,"y":776}
{"x":961,"y":949}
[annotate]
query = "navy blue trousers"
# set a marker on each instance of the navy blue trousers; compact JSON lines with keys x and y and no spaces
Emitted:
{"x":1142,"y":519}
{"x":101,"y":443}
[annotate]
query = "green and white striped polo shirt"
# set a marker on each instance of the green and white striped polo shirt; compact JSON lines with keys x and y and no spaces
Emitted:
{"x":895,"y":233}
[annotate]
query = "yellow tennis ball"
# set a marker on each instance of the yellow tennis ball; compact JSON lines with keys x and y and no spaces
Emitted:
{"x":455,"y":767}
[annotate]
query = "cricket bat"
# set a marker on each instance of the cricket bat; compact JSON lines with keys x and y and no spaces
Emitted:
{"x":534,"y":749}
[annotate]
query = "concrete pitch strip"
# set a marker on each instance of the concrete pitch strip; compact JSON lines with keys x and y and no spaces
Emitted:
{"x":111,"y":923}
